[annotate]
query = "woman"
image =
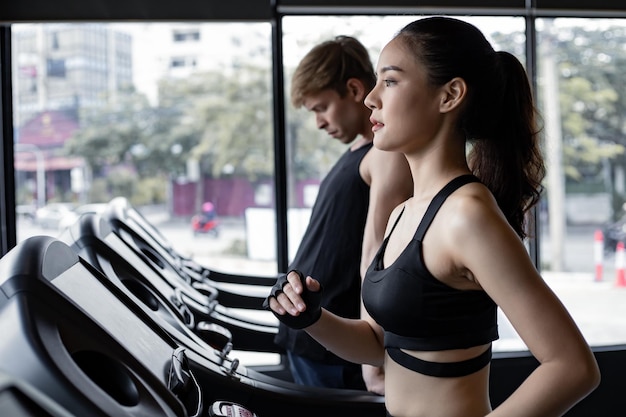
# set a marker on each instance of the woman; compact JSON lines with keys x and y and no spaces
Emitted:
{"x":454,"y":251}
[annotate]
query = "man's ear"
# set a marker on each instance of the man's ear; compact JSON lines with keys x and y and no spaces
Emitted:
{"x":453,"y":94}
{"x":356,"y":89}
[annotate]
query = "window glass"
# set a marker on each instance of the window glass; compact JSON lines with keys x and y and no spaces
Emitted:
{"x":311,"y":152}
{"x":582,"y":96}
{"x":177,"y":118}
{"x":101,"y":112}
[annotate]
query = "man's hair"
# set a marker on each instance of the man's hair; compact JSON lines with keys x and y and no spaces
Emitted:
{"x":330,"y":65}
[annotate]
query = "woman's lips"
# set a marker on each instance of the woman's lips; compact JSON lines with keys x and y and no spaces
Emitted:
{"x":376,"y":125}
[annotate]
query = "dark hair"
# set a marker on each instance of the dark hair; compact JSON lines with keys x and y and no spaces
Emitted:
{"x":499,"y":117}
{"x":329,"y":65}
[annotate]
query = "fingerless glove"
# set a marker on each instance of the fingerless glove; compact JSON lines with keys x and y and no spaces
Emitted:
{"x":312,"y":300}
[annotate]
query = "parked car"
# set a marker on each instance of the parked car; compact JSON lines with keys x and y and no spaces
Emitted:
{"x":50,"y":215}
{"x":71,"y":217}
{"x":25,"y":211}
{"x":612,"y":233}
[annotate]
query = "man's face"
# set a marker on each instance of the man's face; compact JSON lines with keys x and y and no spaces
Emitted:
{"x":338,"y":116}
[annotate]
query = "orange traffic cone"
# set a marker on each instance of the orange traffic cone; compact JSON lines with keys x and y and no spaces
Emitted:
{"x":620,"y":275}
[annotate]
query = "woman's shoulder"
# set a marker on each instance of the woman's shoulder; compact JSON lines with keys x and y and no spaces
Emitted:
{"x":472,"y":208}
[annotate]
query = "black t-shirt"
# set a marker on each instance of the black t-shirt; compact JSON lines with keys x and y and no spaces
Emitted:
{"x":330,"y":250}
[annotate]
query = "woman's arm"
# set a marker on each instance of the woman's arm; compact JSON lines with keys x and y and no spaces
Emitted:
{"x":355,"y":340}
{"x":492,"y":254}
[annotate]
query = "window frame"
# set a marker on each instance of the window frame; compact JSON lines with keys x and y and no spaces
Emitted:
{"x":511,"y":367}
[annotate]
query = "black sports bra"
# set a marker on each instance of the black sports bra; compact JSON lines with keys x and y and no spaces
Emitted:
{"x":419,"y":312}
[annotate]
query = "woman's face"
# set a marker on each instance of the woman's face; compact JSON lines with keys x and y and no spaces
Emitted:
{"x":405,"y":107}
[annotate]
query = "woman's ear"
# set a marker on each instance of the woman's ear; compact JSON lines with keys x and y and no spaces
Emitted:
{"x":453,"y":94}
{"x":356,"y":89}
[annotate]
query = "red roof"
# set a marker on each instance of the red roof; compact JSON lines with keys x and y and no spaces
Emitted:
{"x":49,"y":129}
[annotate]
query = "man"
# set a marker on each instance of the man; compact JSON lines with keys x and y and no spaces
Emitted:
{"x":353,"y":205}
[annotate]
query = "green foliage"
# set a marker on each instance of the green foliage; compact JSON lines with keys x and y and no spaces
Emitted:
{"x":227,"y":120}
{"x":122,"y":181}
{"x":108,"y":135}
{"x":584,"y":157}
{"x":23,"y":196}
{"x":99,"y":191}
{"x":125,"y":183}
{"x":592,"y":94}
{"x":150,"y":191}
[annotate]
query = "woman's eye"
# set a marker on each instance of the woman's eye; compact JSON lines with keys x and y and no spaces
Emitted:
{"x":389,"y":83}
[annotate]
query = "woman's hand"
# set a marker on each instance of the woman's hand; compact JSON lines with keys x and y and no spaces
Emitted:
{"x":294,"y":300}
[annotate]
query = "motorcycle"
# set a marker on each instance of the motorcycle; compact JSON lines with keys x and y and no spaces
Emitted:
{"x":206,"y":222}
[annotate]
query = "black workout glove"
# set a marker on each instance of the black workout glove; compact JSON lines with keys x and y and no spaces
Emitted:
{"x":311,"y":299}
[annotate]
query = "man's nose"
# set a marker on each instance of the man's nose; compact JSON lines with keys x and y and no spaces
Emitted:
{"x":321,"y":122}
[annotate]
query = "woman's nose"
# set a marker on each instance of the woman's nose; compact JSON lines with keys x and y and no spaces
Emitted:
{"x":369,"y":101}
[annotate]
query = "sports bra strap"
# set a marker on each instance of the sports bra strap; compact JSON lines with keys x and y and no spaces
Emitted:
{"x":438,"y":200}
{"x":396,"y":222}
{"x":440,"y":369}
